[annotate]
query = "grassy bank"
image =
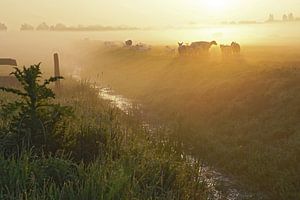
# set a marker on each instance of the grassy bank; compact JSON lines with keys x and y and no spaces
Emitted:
{"x":97,"y":153}
{"x":240,"y":115}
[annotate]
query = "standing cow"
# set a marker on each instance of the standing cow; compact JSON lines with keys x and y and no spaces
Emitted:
{"x":184,"y":50}
{"x":202,"y":47}
{"x":128,"y":43}
{"x":236,"y":48}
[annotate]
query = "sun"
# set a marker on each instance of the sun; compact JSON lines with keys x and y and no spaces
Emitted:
{"x":216,"y":3}
{"x":214,"y":6}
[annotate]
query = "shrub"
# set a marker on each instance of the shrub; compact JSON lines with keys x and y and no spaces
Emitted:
{"x":34,"y":119}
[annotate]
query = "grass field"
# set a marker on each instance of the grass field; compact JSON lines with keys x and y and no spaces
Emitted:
{"x":98,"y":152}
{"x":240,"y":115}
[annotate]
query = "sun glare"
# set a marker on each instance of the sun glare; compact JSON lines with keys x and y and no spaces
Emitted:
{"x":215,"y":6}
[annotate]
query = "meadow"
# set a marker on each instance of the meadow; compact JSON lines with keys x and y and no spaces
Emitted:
{"x":85,"y":148}
{"x":240,"y":115}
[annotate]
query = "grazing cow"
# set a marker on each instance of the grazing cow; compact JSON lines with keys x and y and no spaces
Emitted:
{"x":183,"y":50}
{"x":229,"y":50}
{"x":142,"y":47}
{"x":236,"y":48}
{"x":110,"y":44}
{"x":202,"y":46}
{"x":170,"y":50}
{"x":226,"y":50}
{"x":128,"y":43}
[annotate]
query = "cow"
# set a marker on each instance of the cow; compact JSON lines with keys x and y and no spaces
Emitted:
{"x":184,"y":50}
{"x":226,"y":50}
{"x":199,"y":47}
{"x":170,"y":50}
{"x":230,"y":50}
{"x":128,"y":43}
{"x":141,"y":47}
{"x":236,"y":48}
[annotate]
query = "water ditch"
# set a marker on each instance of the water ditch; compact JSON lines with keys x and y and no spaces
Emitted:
{"x":220,"y":186}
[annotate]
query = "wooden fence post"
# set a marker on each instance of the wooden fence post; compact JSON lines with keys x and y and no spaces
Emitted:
{"x":56,"y":69}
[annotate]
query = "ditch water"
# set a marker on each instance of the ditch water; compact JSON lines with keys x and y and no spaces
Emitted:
{"x":220,"y":186}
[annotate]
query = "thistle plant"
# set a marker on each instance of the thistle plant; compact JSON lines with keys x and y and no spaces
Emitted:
{"x":33,"y":117}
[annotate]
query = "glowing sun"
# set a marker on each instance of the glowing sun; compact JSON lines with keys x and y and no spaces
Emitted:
{"x":217,"y":5}
{"x":214,"y":6}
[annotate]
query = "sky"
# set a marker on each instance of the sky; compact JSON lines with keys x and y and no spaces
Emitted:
{"x":140,"y":13}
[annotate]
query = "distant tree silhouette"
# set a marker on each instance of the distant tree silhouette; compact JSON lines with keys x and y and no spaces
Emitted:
{"x":59,"y":27}
{"x":291,"y":17}
{"x":43,"y":27}
{"x":3,"y":27}
{"x":26,"y":27}
{"x":284,"y":18}
{"x":271,"y":18}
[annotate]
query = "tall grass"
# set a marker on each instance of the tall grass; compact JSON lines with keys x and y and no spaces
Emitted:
{"x":103,"y":154}
{"x":241,"y":116}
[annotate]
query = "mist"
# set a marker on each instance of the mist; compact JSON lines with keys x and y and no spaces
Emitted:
{"x":39,"y":45}
{"x":180,"y":100}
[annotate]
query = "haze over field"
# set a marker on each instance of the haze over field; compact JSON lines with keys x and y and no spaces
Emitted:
{"x":140,"y":12}
{"x":186,"y":21}
{"x":162,"y":99}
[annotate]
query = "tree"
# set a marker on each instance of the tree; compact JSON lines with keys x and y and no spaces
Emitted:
{"x":291,"y":17}
{"x":271,"y":18}
{"x":34,"y":119}
{"x":3,"y":27}
{"x":43,"y":27}
{"x":26,"y":27}
{"x":284,"y":18}
{"x":59,"y":27}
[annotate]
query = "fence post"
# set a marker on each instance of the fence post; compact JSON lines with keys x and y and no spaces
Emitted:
{"x":56,"y":69}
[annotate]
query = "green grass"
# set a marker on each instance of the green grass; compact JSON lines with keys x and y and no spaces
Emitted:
{"x":241,"y":116}
{"x":104,"y":154}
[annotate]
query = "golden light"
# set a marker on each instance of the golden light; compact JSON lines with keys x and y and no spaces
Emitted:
{"x":214,"y":6}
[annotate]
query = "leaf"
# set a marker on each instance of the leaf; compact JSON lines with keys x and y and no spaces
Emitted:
{"x":14,"y":91}
{"x":52,"y":79}
{"x":35,"y":114}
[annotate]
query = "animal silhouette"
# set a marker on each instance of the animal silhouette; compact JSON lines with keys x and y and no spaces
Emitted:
{"x":236,"y":48}
{"x":184,"y":50}
{"x":202,"y":45}
{"x":128,"y":43}
{"x":226,"y":50}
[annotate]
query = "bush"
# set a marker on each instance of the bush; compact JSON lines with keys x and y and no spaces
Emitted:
{"x":34,"y":119}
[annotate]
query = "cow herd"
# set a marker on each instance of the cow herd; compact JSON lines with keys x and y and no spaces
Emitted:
{"x":200,"y":48}
{"x":195,"y":48}
{"x":227,"y":50}
{"x":137,"y":47}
